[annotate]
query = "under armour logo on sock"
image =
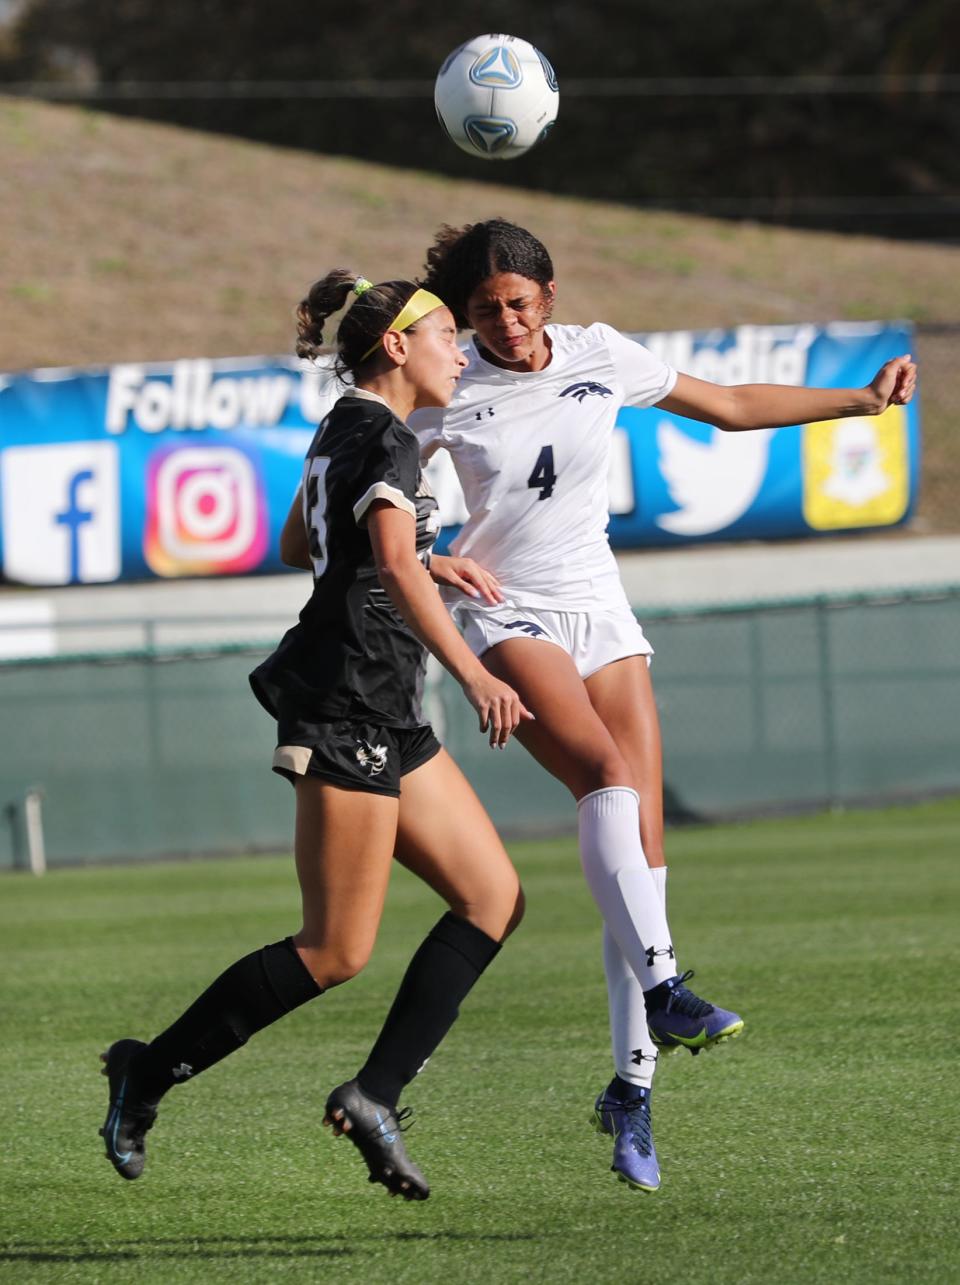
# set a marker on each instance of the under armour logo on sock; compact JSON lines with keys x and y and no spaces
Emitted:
{"x":639,"y":1057}
{"x":182,"y":1072}
{"x":652,"y":954}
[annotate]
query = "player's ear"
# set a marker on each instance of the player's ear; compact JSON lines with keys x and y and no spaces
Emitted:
{"x":395,"y":346}
{"x":550,"y":293}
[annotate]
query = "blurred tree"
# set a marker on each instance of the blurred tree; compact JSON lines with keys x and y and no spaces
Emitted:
{"x":888,"y":161}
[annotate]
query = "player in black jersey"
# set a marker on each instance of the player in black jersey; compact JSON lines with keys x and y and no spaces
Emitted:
{"x":371,"y":780}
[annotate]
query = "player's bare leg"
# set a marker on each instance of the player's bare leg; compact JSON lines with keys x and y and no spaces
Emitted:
{"x":604,"y":732}
{"x":446,"y":838}
{"x":622,"y":695}
{"x":343,"y":848}
{"x":568,"y":737}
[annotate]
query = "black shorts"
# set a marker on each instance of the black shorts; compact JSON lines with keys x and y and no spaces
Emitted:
{"x":355,"y":756}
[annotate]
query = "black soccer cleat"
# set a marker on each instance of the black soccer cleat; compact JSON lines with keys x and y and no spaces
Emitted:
{"x":129,"y":1117}
{"x":375,"y":1130}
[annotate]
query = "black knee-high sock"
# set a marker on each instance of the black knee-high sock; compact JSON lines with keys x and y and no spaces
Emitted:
{"x":251,"y":994}
{"x":438,"y":979}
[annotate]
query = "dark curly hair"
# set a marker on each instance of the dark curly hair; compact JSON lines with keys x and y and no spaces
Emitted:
{"x":461,"y":259}
{"x":367,"y":320}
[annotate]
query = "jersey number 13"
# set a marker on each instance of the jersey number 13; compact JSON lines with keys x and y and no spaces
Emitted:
{"x":315,"y":512}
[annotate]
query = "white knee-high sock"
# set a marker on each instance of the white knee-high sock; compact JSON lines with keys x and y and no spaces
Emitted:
{"x":659,"y":876}
{"x":619,"y":878}
{"x":634,"y":1052}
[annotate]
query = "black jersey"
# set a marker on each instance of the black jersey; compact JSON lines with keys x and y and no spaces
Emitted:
{"x":351,"y":655}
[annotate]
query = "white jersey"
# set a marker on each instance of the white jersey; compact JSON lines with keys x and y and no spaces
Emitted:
{"x":532,"y":452}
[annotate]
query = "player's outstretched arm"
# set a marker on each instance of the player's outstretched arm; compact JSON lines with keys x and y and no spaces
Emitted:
{"x":747,"y":406}
{"x":413,"y":593}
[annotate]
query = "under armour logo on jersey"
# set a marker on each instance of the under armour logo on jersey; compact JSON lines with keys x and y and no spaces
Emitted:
{"x":480,"y":414}
{"x":587,"y":388}
{"x":652,"y":954}
{"x":372,"y":757}
{"x":182,"y":1072}
{"x":527,"y":626}
{"x":639,"y":1057}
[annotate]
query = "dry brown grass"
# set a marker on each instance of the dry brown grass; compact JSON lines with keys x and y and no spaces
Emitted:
{"x":124,"y":240}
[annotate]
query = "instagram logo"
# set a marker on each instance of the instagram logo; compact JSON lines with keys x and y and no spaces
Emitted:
{"x":205,"y":512}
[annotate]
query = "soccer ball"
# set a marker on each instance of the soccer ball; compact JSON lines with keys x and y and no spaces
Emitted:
{"x":496,"y":97}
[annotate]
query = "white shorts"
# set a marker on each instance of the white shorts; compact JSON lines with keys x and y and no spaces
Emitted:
{"x":591,"y":639}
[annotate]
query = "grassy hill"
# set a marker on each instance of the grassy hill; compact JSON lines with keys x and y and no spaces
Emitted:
{"x":124,"y":240}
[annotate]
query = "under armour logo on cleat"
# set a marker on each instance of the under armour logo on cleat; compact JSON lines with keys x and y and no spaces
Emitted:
{"x":652,"y":954}
{"x":182,"y":1072}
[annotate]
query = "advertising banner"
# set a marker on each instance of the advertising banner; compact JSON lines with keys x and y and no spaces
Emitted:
{"x":189,"y":468}
{"x":695,"y":483}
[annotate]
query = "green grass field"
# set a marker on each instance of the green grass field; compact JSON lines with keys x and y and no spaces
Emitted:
{"x":822,"y":1146}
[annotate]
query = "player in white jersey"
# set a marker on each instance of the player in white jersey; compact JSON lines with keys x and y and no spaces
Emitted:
{"x":529,"y":430}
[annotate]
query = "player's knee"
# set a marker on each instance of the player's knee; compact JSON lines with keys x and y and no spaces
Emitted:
{"x":332,"y":965}
{"x":497,"y":911}
{"x":341,"y":968}
{"x":516,"y":914}
{"x":603,"y":770}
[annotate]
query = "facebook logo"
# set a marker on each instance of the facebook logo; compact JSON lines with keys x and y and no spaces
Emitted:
{"x":61,"y":513}
{"x":72,"y":516}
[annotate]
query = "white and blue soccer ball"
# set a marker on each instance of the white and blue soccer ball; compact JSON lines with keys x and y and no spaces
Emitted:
{"x":496,"y":97}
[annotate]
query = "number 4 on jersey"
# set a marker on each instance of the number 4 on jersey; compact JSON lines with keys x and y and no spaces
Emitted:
{"x":543,"y":478}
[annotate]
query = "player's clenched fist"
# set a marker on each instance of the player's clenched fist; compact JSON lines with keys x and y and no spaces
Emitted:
{"x":895,"y":382}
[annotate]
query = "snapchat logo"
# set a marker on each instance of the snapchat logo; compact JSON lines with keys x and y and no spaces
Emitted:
{"x":856,"y":472}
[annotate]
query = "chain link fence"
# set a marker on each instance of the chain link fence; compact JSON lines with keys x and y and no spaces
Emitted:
{"x":161,"y":749}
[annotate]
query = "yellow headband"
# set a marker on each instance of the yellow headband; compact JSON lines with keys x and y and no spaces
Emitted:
{"x":417,"y":306}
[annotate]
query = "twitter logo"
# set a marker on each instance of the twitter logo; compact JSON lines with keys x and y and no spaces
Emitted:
{"x":712,"y":482}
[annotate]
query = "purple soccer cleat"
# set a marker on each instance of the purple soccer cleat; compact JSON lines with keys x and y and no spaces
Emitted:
{"x":627,"y":1121}
{"x":678,"y":1019}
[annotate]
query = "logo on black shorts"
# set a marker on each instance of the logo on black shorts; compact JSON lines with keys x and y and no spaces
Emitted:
{"x":372,"y":757}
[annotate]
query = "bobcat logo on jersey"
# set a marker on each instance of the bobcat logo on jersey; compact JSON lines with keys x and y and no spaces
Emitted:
{"x":527,"y":626}
{"x":586,"y":388}
{"x":372,"y":757}
{"x":652,"y":953}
